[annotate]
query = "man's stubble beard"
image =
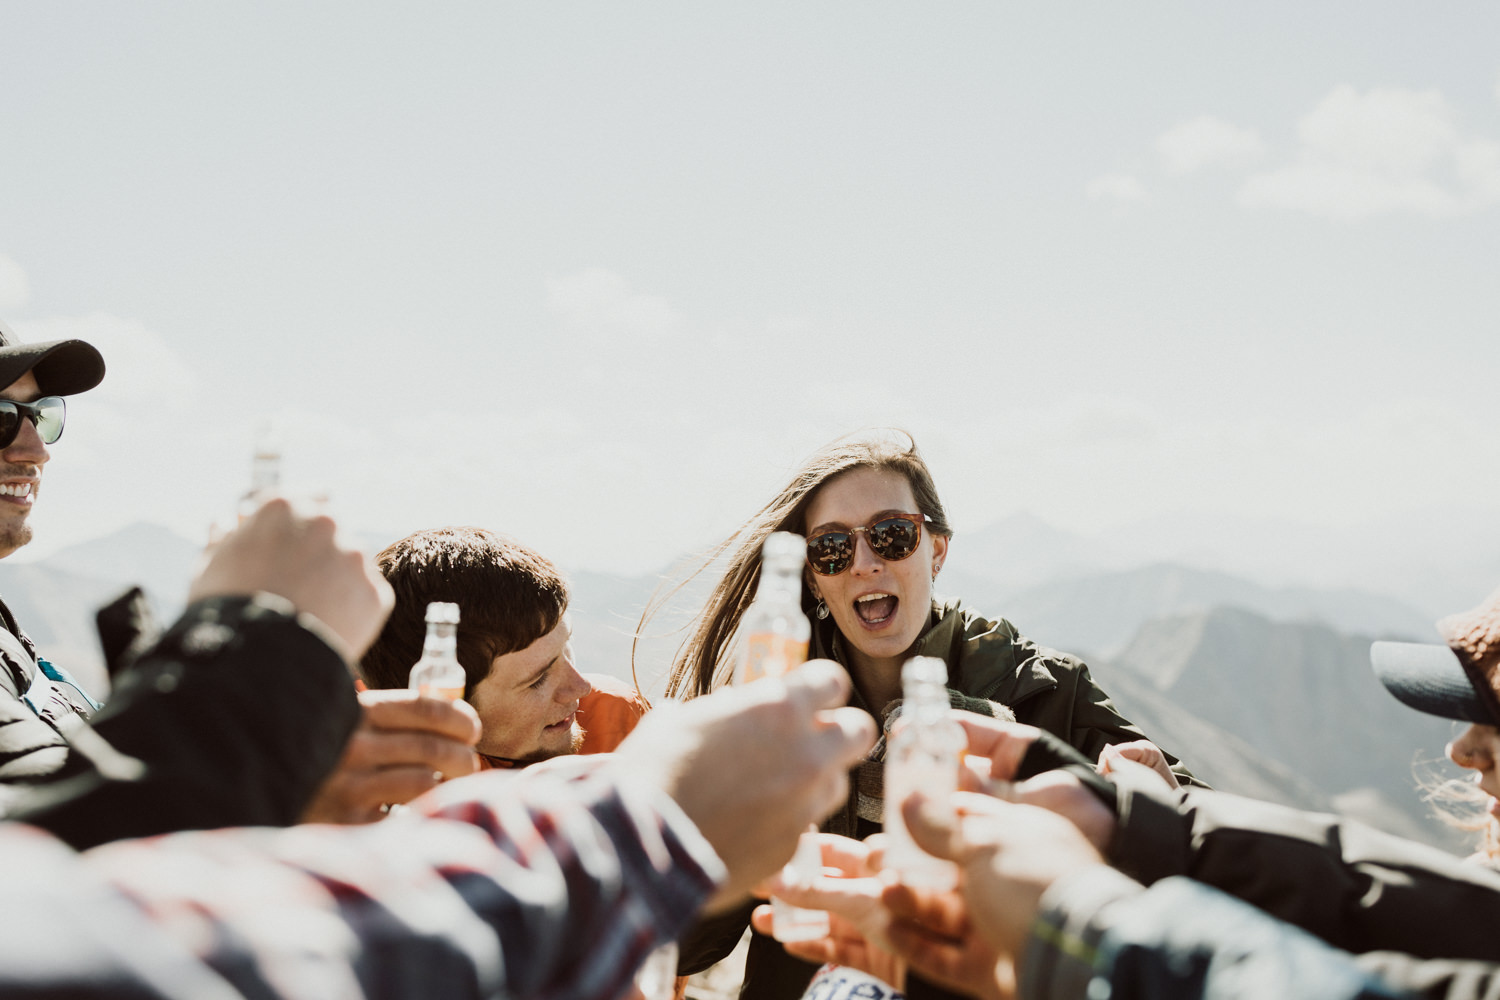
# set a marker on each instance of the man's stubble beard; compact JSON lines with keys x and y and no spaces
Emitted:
{"x":575,"y":744}
{"x":13,"y":535}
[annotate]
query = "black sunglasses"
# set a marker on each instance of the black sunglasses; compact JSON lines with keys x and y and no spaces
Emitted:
{"x":892,"y":538}
{"x":48,"y":413}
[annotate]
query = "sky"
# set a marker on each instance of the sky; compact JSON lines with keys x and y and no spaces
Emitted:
{"x":600,"y":275}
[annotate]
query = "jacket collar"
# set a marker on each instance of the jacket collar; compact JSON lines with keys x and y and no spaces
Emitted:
{"x":982,"y":654}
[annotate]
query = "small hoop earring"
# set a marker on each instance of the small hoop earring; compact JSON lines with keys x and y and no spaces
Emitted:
{"x":822,"y":610}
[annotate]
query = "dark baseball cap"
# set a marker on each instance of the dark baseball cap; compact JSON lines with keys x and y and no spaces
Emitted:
{"x":61,"y":367}
{"x":1459,"y":680}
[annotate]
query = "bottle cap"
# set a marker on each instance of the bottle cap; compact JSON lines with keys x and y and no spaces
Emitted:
{"x":924,"y":670}
{"x":442,"y":613}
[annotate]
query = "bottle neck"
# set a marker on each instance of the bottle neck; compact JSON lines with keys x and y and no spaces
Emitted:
{"x":924,"y":700}
{"x":779,"y":583}
{"x":441,"y":641}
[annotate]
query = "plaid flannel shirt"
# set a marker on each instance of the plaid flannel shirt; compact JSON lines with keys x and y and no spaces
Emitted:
{"x":500,"y":885}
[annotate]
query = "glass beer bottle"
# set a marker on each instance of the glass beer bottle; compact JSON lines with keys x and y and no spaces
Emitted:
{"x":923,"y":755}
{"x":776,"y":634}
{"x":775,"y":629}
{"x":438,"y":673}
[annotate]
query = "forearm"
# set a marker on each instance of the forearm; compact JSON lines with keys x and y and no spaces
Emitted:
{"x":712,"y":938}
{"x":1434,"y":978}
{"x":516,"y":888}
{"x":1178,"y":939}
{"x":614,"y":870}
{"x":1357,"y":888}
{"x":237,"y":714}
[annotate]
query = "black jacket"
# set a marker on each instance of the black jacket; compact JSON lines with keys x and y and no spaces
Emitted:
{"x":233,"y":718}
{"x":1401,"y":918}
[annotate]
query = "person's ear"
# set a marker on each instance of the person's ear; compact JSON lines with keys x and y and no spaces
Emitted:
{"x":939,"y":553}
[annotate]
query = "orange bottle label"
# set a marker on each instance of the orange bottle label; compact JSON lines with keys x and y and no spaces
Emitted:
{"x":769,"y":655}
{"x":445,"y":693}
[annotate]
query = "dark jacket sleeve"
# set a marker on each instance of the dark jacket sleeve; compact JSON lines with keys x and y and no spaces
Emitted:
{"x":235,"y":716}
{"x":1435,"y":978}
{"x":711,"y":939}
{"x":1178,"y":940}
{"x":1079,"y":711}
{"x":1356,"y":888}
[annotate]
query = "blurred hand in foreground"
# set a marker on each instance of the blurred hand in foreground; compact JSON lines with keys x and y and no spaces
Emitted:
{"x":1004,"y":745}
{"x":934,"y":937}
{"x":849,"y":890}
{"x":1142,"y":752}
{"x":753,"y":765}
{"x":405,"y":745}
{"x":298,"y":558}
{"x":1008,"y":855}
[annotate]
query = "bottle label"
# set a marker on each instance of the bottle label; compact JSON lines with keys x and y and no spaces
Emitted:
{"x":771,"y":655}
{"x":445,"y":693}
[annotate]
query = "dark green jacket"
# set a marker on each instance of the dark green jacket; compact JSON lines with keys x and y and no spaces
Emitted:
{"x":989,"y":664}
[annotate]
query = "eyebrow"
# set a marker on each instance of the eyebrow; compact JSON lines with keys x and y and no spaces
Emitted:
{"x":540,"y":673}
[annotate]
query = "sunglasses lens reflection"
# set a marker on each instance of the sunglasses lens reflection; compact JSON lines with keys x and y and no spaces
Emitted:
{"x":10,"y":422}
{"x":830,"y":552}
{"x":891,"y":538}
{"x":895,"y":538}
{"x":48,"y":413}
{"x":49,"y":420}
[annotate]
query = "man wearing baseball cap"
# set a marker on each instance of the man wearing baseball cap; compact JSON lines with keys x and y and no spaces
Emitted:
{"x":39,"y":702}
{"x":1458,"y":680}
{"x":51,"y":758}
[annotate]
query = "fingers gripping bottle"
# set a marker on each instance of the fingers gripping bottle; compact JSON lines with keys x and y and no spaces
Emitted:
{"x":776,"y":633}
{"x":924,"y":754}
{"x":438,"y":673}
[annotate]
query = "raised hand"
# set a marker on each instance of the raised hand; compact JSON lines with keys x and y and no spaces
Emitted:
{"x":754,"y":764}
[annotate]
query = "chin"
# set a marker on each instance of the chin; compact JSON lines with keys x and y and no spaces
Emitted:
{"x":14,"y":536}
{"x":883,"y":646}
{"x":572,"y":746}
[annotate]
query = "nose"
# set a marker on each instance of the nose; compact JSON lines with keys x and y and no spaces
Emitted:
{"x":27,"y":448}
{"x":1470,"y":751}
{"x":865,"y":561}
{"x":574,"y":686}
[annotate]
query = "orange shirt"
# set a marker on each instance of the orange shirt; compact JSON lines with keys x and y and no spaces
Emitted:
{"x":608,"y":713}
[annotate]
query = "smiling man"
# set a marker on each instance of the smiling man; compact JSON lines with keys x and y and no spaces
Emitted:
{"x":513,"y":643}
{"x":38,"y":701}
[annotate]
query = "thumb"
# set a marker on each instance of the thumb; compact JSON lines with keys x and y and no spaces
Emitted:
{"x":1109,"y":759}
{"x":933,"y":825}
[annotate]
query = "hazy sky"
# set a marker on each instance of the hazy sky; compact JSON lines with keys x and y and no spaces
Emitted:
{"x":599,"y":274}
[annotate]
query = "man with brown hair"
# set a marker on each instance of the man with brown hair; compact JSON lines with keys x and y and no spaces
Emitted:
{"x":513,"y":643}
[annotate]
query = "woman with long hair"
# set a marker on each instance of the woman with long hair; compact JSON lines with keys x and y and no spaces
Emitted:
{"x":877,"y":537}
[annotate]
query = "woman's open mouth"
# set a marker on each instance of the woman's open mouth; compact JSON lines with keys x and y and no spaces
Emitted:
{"x":874,"y":610}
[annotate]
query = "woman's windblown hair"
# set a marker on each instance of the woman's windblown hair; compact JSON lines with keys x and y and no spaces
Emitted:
{"x":703,"y":663}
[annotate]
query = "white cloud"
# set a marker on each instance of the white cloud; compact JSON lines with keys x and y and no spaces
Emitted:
{"x":142,"y":367}
{"x":1122,"y":188}
{"x":1206,"y":141}
{"x":597,"y":302}
{"x":14,"y":289}
{"x":1382,"y":152}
